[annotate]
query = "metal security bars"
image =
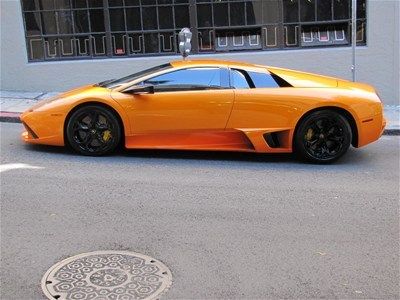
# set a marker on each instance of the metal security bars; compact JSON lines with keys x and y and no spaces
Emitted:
{"x":73,"y":29}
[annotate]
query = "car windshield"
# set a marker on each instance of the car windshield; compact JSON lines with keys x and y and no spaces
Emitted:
{"x":113,"y":83}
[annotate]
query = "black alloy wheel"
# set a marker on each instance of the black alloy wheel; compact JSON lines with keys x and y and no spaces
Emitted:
{"x":93,"y":130}
{"x":323,"y":137}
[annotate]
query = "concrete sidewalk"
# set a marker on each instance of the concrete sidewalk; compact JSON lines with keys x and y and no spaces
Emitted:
{"x":13,"y":103}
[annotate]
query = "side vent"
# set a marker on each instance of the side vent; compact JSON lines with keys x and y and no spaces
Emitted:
{"x":272,"y":139}
{"x":30,"y":131}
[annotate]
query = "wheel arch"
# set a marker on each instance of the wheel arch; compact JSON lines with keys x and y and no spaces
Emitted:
{"x":98,"y":103}
{"x":342,"y":111}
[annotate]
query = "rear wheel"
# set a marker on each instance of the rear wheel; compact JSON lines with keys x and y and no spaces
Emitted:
{"x":323,"y":137}
{"x":93,"y":130}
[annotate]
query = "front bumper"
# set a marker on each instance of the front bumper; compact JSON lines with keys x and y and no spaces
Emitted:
{"x":43,"y":128}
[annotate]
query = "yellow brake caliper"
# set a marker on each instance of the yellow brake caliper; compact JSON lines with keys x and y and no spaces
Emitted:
{"x":309,"y":134}
{"x":106,"y":135}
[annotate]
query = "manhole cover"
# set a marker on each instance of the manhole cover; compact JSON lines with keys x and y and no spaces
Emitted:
{"x":107,"y":275}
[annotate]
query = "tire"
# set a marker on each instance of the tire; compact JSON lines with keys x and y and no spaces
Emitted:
{"x":93,"y":130}
{"x":322,"y":137}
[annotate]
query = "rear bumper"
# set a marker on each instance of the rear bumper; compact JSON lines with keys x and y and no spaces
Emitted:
{"x":384,"y":123}
{"x":371,"y":129}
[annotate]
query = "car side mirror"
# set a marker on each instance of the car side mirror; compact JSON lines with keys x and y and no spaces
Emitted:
{"x":140,"y":89}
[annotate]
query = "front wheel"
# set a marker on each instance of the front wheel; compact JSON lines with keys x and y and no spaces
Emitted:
{"x":93,"y":130}
{"x":323,"y":137}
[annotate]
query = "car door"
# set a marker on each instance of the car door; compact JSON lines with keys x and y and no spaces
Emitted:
{"x":191,"y":99}
{"x":264,"y":104}
{"x":260,"y":101}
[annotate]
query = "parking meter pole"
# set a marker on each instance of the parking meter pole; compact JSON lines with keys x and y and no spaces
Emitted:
{"x":353,"y":37}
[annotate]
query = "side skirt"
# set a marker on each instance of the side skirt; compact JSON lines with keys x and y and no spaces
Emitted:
{"x":245,"y":140}
{"x":229,"y":140}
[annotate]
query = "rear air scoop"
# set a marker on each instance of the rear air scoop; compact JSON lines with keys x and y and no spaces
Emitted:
{"x":357,"y":86}
{"x":304,"y":80}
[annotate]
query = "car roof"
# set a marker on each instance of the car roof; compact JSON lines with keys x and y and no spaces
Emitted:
{"x":214,"y":63}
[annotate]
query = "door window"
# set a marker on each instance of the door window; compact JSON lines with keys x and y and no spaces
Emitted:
{"x":187,"y":79}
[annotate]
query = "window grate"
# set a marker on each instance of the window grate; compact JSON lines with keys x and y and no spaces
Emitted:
{"x":89,"y":29}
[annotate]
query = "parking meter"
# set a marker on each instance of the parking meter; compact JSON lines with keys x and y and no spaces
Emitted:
{"x":185,"y":37}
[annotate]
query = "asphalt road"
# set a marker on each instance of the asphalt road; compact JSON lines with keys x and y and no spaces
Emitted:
{"x":227,"y":225}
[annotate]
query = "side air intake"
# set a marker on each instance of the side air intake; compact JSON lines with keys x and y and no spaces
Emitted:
{"x":278,"y":139}
{"x":272,"y":139}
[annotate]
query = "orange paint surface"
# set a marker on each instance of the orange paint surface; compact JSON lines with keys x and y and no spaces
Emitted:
{"x":220,"y":119}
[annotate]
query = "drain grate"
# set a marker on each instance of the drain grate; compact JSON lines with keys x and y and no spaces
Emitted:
{"x":107,"y":275}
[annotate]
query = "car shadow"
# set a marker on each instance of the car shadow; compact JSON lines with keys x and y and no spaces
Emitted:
{"x":352,"y":157}
{"x":173,"y":154}
{"x":209,"y":155}
{"x":48,"y":149}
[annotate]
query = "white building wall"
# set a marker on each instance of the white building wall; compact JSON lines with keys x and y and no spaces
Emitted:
{"x":377,"y":63}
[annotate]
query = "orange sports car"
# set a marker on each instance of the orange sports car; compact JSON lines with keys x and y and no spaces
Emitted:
{"x":212,"y":105}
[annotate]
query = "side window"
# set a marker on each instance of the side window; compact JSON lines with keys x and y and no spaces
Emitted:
{"x":238,"y":80}
{"x":187,"y":79}
{"x":263,"y":80}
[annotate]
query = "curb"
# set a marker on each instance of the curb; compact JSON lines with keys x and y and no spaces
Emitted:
{"x":391,"y":132}
{"x":13,"y":117}
{"x":10,"y":117}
